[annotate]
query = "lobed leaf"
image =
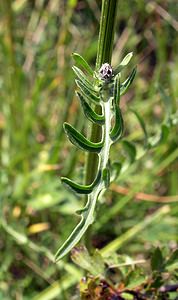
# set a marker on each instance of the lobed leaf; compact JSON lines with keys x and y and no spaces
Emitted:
{"x":86,"y":92}
{"x":80,"y":141}
{"x":89,"y":112}
{"x":82,"y":62}
{"x":87,"y":219}
{"x":110,"y":95}
{"x":126,"y":84}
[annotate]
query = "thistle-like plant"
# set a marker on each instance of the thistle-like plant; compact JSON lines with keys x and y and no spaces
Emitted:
{"x":104,"y":89}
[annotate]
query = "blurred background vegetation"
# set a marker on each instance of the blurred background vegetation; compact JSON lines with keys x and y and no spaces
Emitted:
{"x":37,"y":95}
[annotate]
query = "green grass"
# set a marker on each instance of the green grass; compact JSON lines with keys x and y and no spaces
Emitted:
{"x":37,"y":96}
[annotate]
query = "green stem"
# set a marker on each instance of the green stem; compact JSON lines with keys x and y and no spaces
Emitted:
{"x":104,"y":54}
{"x":106,"y":34}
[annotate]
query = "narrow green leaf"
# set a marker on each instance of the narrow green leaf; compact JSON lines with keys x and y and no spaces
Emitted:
{"x":130,"y":150}
{"x":161,"y":138}
{"x":83,"y":79}
{"x":89,"y":112}
{"x":142,"y":124}
{"x":82,"y":62}
{"x":79,"y":188}
{"x":75,"y":187}
{"x":80,"y":141}
{"x":86,"y":92}
{"x":126,"y":84}
{"x":115,"y":170}
{"x":157,"y":261}
{"x":123,"y":63}
{"x":117,"y":130}
{"x":116,"y":92}
{"x":164,"y":133}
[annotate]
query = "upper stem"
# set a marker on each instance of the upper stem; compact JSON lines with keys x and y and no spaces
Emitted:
{"x":106,"y":33}
{"x":104,"y":53}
